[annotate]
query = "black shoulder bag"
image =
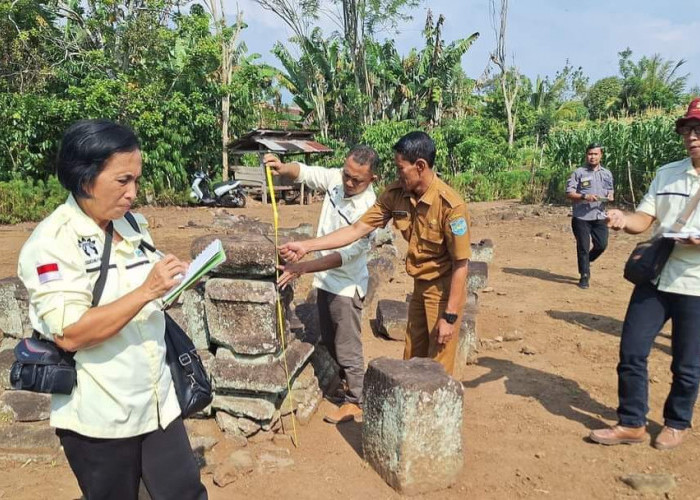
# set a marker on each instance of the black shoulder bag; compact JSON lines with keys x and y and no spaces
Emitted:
{"x":648,"y":258}
{"x":192,"y":385}
{"x":40,"y":365}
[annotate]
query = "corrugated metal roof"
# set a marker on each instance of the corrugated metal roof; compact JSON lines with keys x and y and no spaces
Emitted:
{"x":279,"y":141}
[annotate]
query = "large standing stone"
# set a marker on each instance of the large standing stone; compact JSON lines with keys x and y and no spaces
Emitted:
{"x":392,"y":317}
{"x":27,"y":406}
{"x":412,"y":431}
{"x":468,"y":340}
{"x":233,"y":373}
{"x":380,"y":270}
{"x":242,"y":315}
{"x":194,"y":316}
{"x":478,"y":276}
{"x":14,"y":309}
{"x":482,"y":251}
{"x":247,"y":255}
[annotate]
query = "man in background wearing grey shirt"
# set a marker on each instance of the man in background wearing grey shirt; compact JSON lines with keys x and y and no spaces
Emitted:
{"x":589,"y":187}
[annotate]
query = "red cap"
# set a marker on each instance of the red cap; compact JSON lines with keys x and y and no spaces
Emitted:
{"x":693,"y":113}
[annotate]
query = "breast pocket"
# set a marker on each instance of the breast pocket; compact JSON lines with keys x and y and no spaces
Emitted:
{"x":402,"y":220}
{"x":431,"y":241}
{"x":585,"y":184}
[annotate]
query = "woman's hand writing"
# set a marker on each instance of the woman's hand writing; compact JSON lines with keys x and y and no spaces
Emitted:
{"x":163,"y":276}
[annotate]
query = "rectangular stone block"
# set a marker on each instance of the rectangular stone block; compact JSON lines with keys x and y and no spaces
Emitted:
{"x":256,"y":408}
{"x":482,"y":251}
{"x":392,"y":317}
{"x":478,"y":276}
{"x":14,"y":309}
{"x":194,"y":316}
{"x":26,"y":406}
{"x":412,"y":430}
{"x":242,"y":315}
{"x":267,"y":374}
{"x":247,"y":255}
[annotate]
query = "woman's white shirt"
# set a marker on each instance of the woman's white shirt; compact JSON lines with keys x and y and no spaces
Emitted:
{"x":124,"y":385}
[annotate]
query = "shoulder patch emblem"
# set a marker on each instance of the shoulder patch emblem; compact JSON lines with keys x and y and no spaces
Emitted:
{"x":458,"y":226}
{"x":88,"y":246}
{"x":48,"y":272}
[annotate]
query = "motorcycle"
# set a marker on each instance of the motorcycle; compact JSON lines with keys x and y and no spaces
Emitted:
{"x":221,"y":194}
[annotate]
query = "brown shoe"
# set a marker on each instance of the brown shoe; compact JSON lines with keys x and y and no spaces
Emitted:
{"x":669,"y":438}
{"x":347,"y":412}
{"x":619,"y":435}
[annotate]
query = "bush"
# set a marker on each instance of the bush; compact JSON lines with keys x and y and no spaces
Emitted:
{"x":28,"y":200}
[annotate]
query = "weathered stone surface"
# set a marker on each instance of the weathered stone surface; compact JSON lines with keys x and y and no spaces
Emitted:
{"x":240,"y":224}
{"x":237,"y":465}
{"x":468,"y":341}
{"x":14,"y":309}
{"x":380,"y":270}
{"x":28,"y":435}
{"x":227,"y":423}
{"x":7,"y":357}
{"x":247,"y":255}
{"x":202,"y":444}
{"x":248,"y":427}
{"x":412,"y":431}
{"x":482,"y":251}
{"x":238,"y":374}
{"x":650,"y":483}
{"x":274,"y":458}
{"x":392,"y":317}
{"x":242,"y":315}
{"x":478,"y":276}
{"x":382,"y":236}
{"x":194,"y":316}
{"x":245,"y":406}
{"x":27,"y":406}
{"x":325,"y":367}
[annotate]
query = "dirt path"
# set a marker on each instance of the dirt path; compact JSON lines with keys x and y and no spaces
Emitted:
{"x":525,"y":415}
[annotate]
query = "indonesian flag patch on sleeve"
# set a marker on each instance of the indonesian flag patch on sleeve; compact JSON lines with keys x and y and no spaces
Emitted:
{"x":48,"y":272}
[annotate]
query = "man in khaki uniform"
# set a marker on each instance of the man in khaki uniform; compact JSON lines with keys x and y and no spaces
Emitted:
{"x":433,"y":218}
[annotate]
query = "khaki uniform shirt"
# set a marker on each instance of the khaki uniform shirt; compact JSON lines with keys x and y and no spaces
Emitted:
{"x":436,"y":227}
{"x":124,"y":385}
{"x":340,"y":211}
{"x":675,"y":183}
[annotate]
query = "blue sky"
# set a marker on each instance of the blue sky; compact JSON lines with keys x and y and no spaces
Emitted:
{"x":542,"y":34}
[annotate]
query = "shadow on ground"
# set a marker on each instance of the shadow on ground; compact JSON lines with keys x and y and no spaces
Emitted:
{"x":352,"y":433}
{"x":599,"y":323}
{"x":558,"y":395}
{"x":540,"y":274}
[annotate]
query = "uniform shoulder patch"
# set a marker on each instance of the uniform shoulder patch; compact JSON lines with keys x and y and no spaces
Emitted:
{"x":459,"y":226}
{"x":451,"y":196}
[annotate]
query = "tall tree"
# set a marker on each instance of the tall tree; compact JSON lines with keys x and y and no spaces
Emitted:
{"x":509,"y":76}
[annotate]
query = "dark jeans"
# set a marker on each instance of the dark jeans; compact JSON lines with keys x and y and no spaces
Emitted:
{"x":648,"y":311}
{"x":584,"y":232}
{"x":341,"y":333}
{"x":113,"y":468}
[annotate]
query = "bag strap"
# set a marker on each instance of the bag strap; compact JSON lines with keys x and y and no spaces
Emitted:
{"x":104,"y":266}
{"x":144,"y":245}
{"x":688,"y":210}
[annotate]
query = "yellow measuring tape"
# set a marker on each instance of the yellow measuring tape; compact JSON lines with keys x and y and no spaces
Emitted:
{"x":280,"y":321}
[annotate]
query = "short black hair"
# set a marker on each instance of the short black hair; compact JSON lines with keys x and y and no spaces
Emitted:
{"x":416,"y":145}
{"x":594,"y":145}
{"x":365,"y":155}
{"x":85,"y":148}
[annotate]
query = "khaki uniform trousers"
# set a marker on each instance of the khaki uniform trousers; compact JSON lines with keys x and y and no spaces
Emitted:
{"x":428,"y":302}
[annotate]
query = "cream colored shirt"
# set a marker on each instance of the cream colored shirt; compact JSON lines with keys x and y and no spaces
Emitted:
{"x":674,"y":184}
{"x":124,"y":385}
{"x":340,"y":211}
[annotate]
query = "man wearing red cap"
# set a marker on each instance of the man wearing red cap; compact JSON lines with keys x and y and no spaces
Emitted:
{"x":674,"y":295}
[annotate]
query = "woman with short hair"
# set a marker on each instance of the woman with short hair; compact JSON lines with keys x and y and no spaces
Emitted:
{"x":121,"y":423}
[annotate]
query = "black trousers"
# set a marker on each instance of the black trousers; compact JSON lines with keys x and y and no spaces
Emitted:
{"x":647,"y":312}
{"x":584,"y":232}
{"x":341,"y":333}
{"x":111,"y":469}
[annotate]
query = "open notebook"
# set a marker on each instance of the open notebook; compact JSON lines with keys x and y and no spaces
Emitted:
{"x":209,"y":258}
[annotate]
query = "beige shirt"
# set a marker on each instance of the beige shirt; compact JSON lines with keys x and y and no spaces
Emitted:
{"x":674,"y":184}
{"x":124,"y":385}
{"x":340,"y":211}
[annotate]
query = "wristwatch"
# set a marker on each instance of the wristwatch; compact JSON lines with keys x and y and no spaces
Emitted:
{"x":449,"y":317}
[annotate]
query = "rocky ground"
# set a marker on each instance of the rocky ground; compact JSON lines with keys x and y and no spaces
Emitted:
{"x":545,"y":376}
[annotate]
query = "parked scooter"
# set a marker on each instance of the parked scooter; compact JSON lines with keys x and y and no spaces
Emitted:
{"x":221,"y":194}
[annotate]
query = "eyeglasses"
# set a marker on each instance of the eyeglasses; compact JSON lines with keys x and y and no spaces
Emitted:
{"x":688,"y":129}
